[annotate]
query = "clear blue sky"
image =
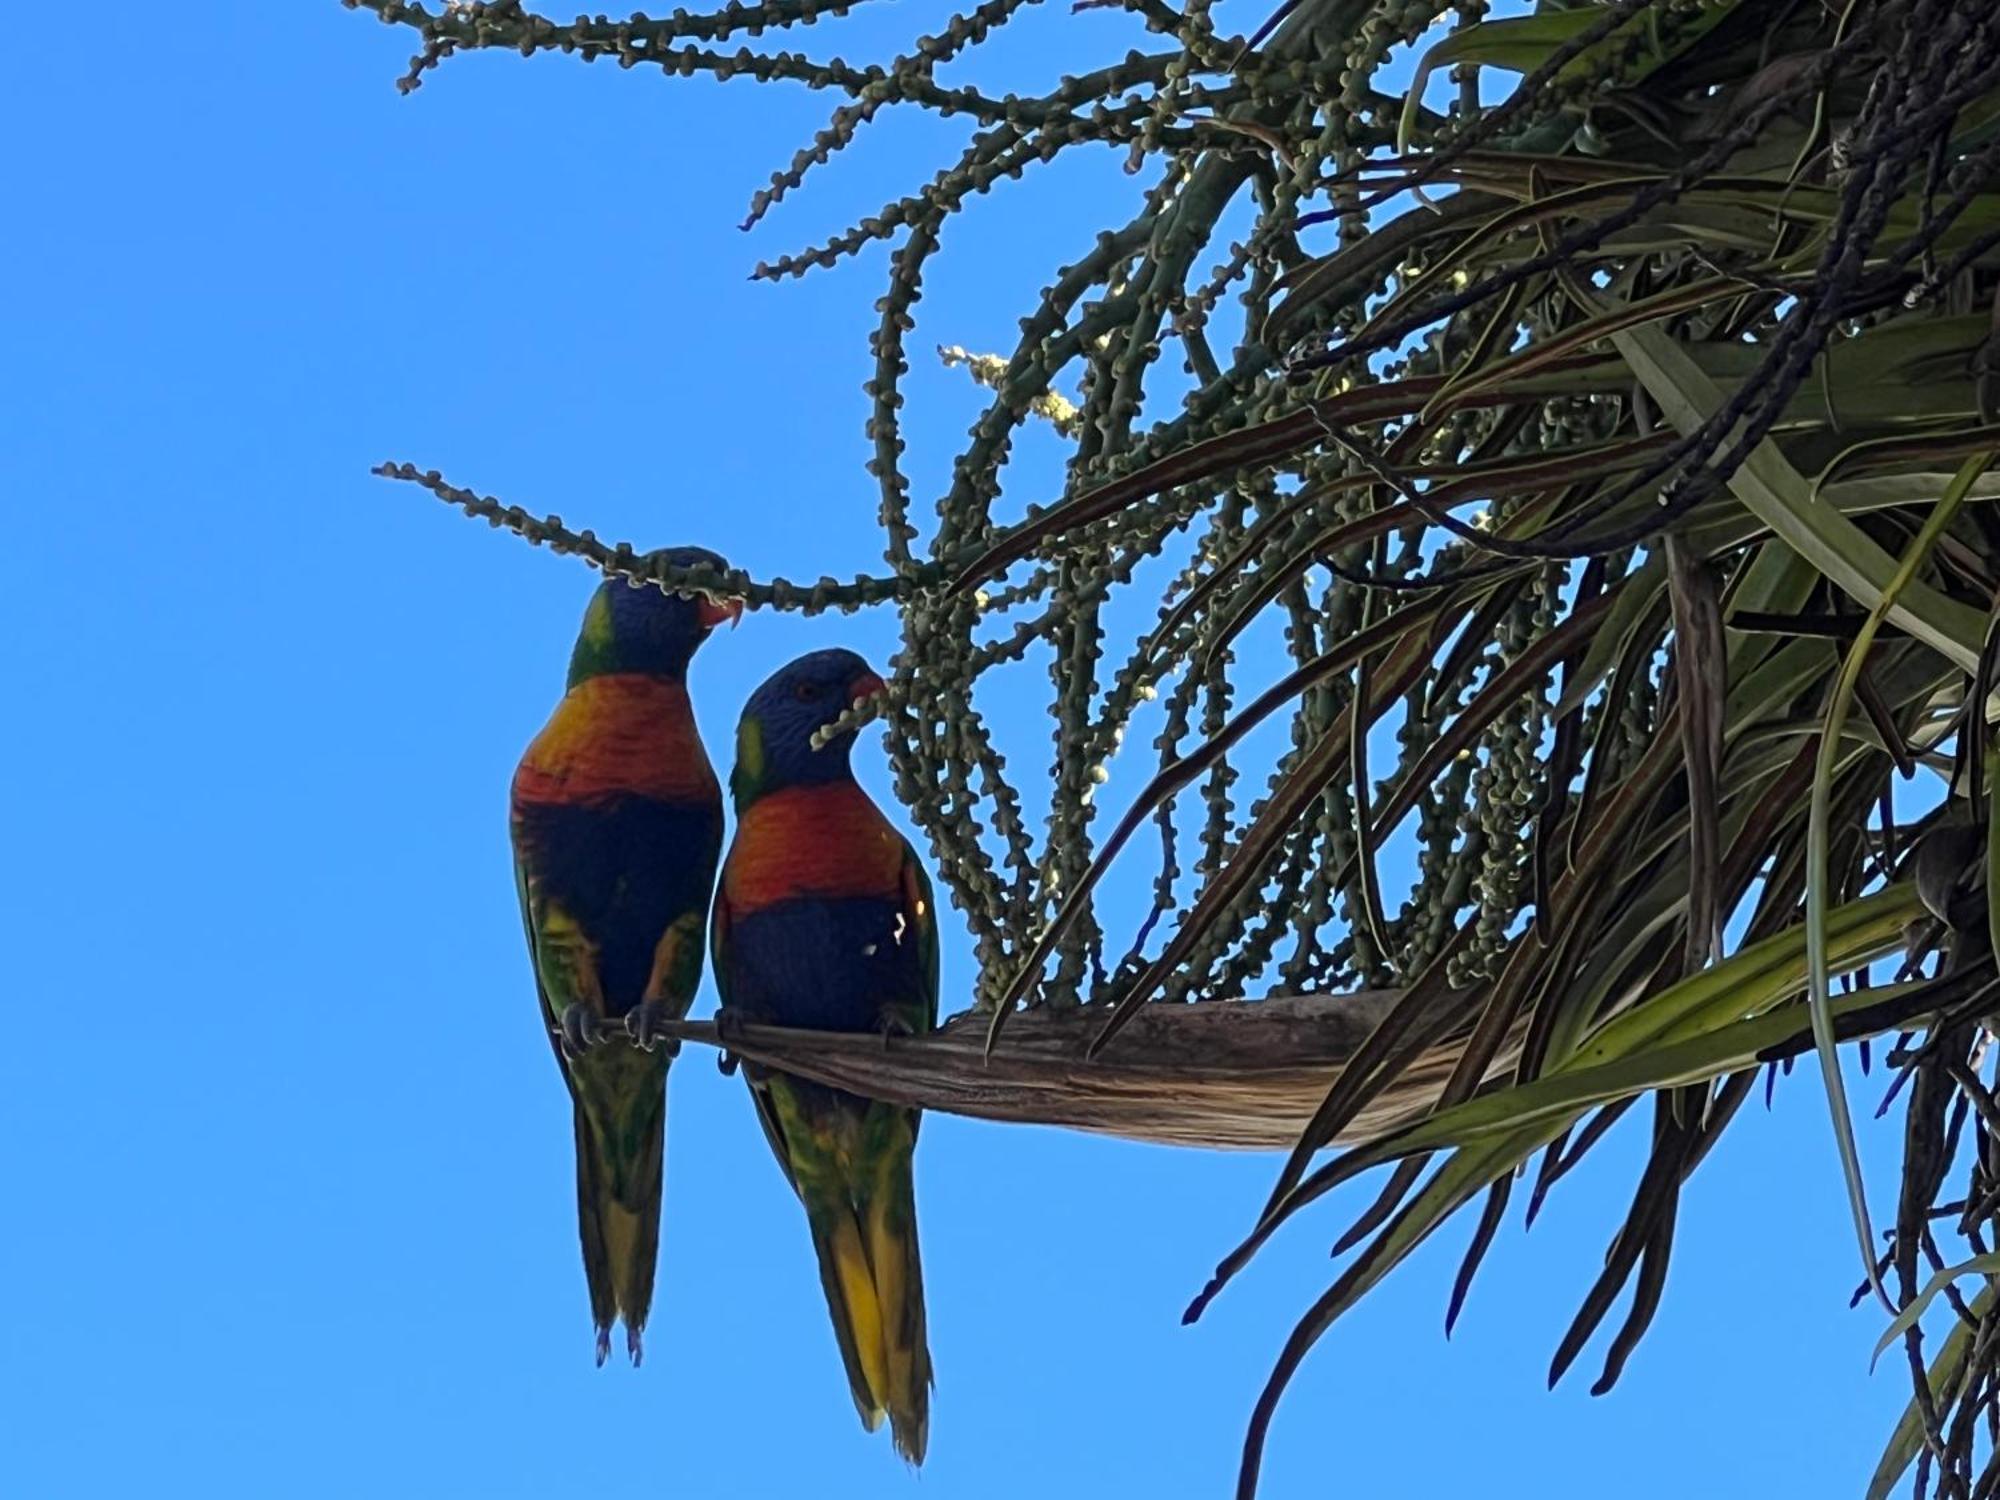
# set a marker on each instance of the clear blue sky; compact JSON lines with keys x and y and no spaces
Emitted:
{"x":287,"y":1165}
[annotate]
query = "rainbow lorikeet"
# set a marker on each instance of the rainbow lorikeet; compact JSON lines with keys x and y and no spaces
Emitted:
{"x":824,"y":919}
{"x":617,"y":825}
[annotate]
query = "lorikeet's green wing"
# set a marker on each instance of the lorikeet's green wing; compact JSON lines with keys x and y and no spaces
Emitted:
{"x":882,"y":1172}
{"x":550,"y":1009}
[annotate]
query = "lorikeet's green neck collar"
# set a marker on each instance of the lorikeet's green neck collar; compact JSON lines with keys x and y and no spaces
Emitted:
{"x":630,"y":631}
{"x":758,"y":773}
{"x":746,"y":777}
{"x":585,"y":663}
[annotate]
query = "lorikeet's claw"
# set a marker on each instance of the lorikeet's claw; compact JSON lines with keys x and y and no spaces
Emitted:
{"x":634,"y":1346}
{"x":603,"y":1344}
{"x":580,"y":1031}
{"x":894,"y":1025}
{"x":728,"y":1029}
{"x":643,"y":1023}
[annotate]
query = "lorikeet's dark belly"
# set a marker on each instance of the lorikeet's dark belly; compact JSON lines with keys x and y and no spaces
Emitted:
{"x":828,"y":965}
{"x":624,"y":870}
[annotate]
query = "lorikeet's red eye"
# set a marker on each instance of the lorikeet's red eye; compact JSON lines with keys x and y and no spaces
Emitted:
{"x":805,"y":692}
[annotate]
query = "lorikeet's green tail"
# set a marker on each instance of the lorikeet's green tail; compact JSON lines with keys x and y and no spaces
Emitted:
{"x":864,"y":1230}
{"x":619,"y":1183}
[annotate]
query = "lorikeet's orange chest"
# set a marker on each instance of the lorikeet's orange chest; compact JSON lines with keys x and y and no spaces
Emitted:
{"x":827,"y":841}
{"x":618,"y":735}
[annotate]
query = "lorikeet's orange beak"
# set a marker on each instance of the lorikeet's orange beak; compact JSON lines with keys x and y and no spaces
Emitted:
{"x":867,"y":685}
{"x":712,"y":612}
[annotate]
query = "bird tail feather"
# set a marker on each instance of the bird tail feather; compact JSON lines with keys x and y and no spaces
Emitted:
{"x":618,"y":1196}
{"x":890,"y":1224}
{"x":873,"y":1278}
{"x":850,"y":1299}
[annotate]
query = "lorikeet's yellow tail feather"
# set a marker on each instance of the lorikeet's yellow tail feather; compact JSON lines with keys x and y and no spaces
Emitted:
{"x":874,"y":1281}
{"x":891,"y":1228}
{"x":850,"y":1299}
{"x":618,"y":1221}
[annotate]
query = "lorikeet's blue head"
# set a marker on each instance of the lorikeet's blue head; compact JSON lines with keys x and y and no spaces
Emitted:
{"x":774,"y":746}
{"x":646,"y":630}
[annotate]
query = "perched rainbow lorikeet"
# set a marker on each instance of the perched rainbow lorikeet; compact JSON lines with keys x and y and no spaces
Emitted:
{"x":617,"y":825}
{"x":824,"y":919}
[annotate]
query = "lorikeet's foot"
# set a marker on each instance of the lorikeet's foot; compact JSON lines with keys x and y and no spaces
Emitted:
{"x":634,"y":1345}
{"x":894,"y":1026}
{"x":603,"y":1344}
{"x":580,"y":1030}
{"x":644,"y":1023}
{"x":728,"y":1029}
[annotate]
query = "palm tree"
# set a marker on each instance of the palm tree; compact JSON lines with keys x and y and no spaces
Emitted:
{"x":1598,"y":414}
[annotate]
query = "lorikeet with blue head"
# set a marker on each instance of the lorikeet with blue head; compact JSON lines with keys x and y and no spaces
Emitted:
{"x":617,"y":826}
{"x":824,"y":919}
